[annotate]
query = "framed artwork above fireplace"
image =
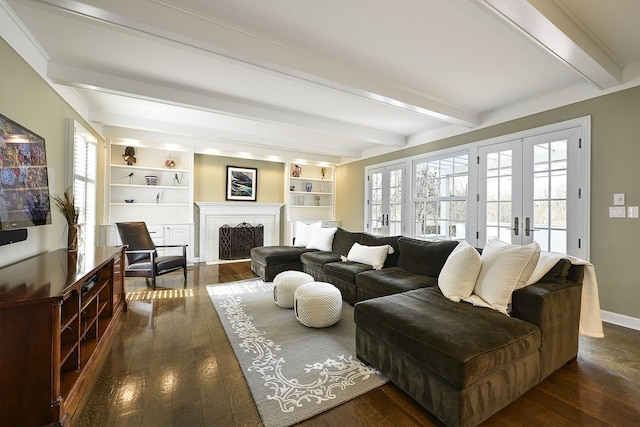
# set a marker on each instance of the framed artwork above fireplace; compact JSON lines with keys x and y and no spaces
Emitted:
{"x":242,"y":183}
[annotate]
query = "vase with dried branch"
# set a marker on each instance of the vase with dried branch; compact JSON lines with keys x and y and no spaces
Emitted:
{"x":67,"y":206}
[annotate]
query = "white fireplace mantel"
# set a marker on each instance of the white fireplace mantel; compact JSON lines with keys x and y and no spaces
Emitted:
{"x":213,"y":215}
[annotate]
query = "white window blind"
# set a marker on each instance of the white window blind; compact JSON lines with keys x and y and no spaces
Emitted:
{"x":85,"y":159}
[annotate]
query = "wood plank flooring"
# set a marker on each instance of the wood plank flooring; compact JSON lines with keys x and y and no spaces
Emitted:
{"x":171,"y":364}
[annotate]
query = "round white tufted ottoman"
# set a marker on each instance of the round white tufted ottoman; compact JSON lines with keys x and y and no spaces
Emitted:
{"x":285,"y":285}
{"x":318,"y":304}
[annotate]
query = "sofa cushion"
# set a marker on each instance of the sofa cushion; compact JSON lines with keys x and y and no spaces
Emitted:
{"x":457,"y":341}
{"x":424,"y":257}
{"x":343,"y":240}
{"x":318,"y":258}
{"x":277,"y":254}
{"x":322,"y":238}
{"x":460,"y":272}
{"x":389,"y":281}
{"x":392,"y":259}
{"x":375,"y":256}
{"x":345,"y":271}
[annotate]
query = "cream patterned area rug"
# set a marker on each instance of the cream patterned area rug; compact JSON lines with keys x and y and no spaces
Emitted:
{"x":294,"y":372}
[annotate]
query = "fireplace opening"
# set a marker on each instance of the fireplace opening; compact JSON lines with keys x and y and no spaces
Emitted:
{"x":237,"y":242}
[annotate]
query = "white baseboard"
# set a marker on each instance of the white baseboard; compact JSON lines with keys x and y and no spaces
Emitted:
{"x":620,"y":320}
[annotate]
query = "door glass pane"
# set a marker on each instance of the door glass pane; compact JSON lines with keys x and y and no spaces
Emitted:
{"x":492,"y":189}
{"x":559,"y":184}
{"x":558,"y":241}
{"x":541,"y":185}
{"x":540,"y":214}
{"x":558,"y":214}
{"x":505,"y":214}
{"x":505,"y":188}
{"x":492,"y":213}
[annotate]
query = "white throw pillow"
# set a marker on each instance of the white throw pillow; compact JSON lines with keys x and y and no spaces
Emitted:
{"x":322,"y":238}
{"x":303,"y":233}
{"x":504,"y":267}
{"x":374,"y":256}
{"x":460,"y":272}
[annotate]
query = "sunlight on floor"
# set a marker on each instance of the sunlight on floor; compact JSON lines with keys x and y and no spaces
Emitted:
{"x":160,"y":294}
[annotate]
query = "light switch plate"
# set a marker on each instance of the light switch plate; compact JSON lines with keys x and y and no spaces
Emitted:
{"x":618,"y":199}
{"x":616,"y":212}
{"x":632,"y":212}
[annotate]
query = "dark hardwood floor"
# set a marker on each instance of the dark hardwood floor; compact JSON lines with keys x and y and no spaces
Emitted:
{"x":170,"y":364}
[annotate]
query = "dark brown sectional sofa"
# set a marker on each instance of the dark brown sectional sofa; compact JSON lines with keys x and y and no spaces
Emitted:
{"x":461,"y":362}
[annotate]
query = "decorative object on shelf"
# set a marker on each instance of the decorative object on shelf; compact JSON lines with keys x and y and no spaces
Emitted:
{"x":308,"y":186}
{"x":242,"y":183}
{"x":292,"y":188}
{"x":300,"y":200}
{"x":170,"y":163}
{"x":158,"y":198}
{"x":151,"y":179}
{"x":130,"y":176}
{"x":317,"y":200}
{"x":297,"y":171}
{"x":128,"y":200}
{"x":176,"y":180}
{"x":129,"y":155}
{"x":323,"y":170}
{"x":67,"y":206}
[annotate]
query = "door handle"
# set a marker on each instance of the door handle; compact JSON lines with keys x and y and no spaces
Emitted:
{"x":387,"y":220}
{"x":527,"y":224}
{"x":516,"y":227}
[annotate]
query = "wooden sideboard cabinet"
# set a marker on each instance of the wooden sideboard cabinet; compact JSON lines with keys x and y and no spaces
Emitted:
{"x":58,"y":312}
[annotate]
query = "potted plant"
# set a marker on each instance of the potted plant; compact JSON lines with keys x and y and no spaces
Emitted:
{"x":67,"y":207}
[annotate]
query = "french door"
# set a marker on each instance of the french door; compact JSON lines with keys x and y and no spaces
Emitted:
{"x":385,"y":199}
{"x":530,"y":189}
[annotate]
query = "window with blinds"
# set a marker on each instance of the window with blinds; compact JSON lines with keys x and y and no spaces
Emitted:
{"x":85,"y":159}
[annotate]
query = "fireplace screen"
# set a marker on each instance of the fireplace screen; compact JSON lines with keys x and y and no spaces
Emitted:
{"x":236,"y":242}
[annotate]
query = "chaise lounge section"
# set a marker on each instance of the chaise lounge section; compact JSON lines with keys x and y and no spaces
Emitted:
{"x":464,"y":363}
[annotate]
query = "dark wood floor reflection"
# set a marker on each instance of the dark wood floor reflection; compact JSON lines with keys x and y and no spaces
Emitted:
{"x":170,"y":364}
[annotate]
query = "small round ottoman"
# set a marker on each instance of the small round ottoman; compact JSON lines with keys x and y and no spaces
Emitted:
{"x":318,"y":304}
{"x":285,"y":285}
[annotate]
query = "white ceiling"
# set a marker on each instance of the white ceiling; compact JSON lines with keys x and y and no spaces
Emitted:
{"x":333,"y":80}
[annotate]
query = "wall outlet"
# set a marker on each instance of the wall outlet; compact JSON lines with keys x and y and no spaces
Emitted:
{"x":632,"y":212}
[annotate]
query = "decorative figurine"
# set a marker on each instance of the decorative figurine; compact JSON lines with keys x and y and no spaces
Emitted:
{"x":170,"y":163}
{"x":129,"y":155}
{"x":297,"y":171}
{"x":323,"y":170}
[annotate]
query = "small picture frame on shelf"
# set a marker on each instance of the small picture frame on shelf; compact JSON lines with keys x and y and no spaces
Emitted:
{"x":242,"y":183}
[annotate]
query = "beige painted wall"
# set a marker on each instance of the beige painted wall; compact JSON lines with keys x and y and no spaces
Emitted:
{"x":28,"y":100}
{"x":210,"y":178}
{"x":615,"y":159}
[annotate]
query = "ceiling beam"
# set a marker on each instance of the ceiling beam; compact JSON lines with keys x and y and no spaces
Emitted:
{"x":183,"y":26}
{"x":237,"y":132}
{"x":225,"y":109}
{"x":549,"y":26}
{"x":220,"y":146}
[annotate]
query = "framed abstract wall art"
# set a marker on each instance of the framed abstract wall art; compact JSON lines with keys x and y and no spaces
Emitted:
{"x":242,"y":183}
